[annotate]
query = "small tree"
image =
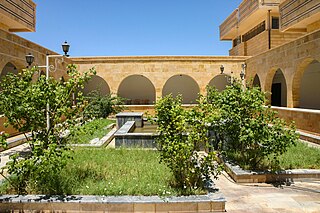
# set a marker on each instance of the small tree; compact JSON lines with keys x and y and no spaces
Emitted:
{"x":101,"y":106}
{"x":181,"y":135}
{"x":23,"y":100}
{"x":248,"y":129}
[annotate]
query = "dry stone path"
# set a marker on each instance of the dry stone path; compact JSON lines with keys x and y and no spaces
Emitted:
{"x":299,"y":197}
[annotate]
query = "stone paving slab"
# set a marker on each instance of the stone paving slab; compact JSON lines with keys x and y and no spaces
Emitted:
{"x":252,"y":198}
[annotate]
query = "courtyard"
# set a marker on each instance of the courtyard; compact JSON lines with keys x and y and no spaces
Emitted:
{"x":150,"y":113}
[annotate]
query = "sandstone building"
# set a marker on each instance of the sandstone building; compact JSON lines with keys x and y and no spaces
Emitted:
{"x":278,"y":40}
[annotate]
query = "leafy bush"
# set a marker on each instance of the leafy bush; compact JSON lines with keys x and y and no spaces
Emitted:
{"x":247,"y":128}
{"x":23,"y":100}
{"x":181,"y":135}
{"x":100,"y":106}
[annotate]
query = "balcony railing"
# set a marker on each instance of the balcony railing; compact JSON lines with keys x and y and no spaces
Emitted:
{"x":20,"y":13}
{"x":292,"y":11}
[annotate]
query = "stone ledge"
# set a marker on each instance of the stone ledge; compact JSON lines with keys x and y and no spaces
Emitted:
{"x":212,"y":202}
{"x":105,"y":140}
{"x":309,"y":137}
{"x":119,"y":59}
{"x":16,"y":141}
{"x":240,"y":175}
{"x":313,"y":111}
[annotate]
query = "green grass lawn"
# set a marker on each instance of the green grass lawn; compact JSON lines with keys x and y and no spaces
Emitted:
{"x":90,"y":130}
{"x":301,"y":157}
{"x":117,"y":172}
{"x":106,"y":171}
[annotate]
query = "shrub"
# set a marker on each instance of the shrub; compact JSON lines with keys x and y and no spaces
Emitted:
{"x":181,"y":135}
{"x":23,"y":100}
{"x":100,"y":106}
{"x":248,"y":128}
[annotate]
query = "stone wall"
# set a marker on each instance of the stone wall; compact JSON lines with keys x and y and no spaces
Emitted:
{"x":304,"y":119}
{"x":159,"y":69}
{"x":292,"y":58}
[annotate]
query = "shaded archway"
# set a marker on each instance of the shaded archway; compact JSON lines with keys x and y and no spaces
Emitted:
{"x":184,"y":85}
{"x":8,"y":68}
{"x":137,"y":89}
{"x":278,"y":89}
{"x":309,"y":88}
{"x":256,"y":81}
{"x":220,"y":82}
{"x":96,"y":83}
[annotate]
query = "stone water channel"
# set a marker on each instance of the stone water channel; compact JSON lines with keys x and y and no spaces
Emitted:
{"x":134,"y":132}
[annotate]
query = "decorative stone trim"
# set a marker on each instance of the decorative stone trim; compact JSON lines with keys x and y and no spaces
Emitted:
{"x":212,"y":202}
{"x":240,"y":175}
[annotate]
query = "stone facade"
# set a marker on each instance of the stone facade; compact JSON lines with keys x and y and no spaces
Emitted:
{"x":159,"y":69}
{"x":292,"y":58}
{"x":292,"y":51}
{"x":18,"y":15}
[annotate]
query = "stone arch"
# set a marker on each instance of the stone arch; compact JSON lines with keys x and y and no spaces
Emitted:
{"x":220,"y":82}
{"x":300,"y":88}
{"x":276,"y":85}
{"x":96,"y":83}
{"x":8,"y":68}
{"x":184,"y":85}
{"x":137,"y":89}
{"x":256,"y":81}
{"x":306,"y":87}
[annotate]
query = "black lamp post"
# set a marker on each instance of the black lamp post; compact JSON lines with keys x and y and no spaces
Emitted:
{"x":65,"y":49}
{"x":29,"y":59}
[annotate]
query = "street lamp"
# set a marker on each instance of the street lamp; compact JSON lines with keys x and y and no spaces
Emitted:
{"x":65,"y":48}
{"x":30,"y":59}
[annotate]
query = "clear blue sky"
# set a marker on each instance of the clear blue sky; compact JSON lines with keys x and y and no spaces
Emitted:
{"x":133,"y":27}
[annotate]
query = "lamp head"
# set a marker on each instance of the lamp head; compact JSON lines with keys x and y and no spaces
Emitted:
{"x":29,"y":59}
{"x":65,"y":48}
{"x":221,"y":69}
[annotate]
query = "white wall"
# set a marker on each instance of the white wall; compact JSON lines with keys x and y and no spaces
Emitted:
{"x":184,"y":85}
{"x":96,"y":83}
{"x":310,"y":87}
{"x":137,"y":88}
{"x":220,"y":82}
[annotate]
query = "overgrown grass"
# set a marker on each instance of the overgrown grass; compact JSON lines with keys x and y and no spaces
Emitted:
{"x":104,"y":171}
{"x":117,"y":172}
{"x":90,"y":130}
{"x":300,"y":156}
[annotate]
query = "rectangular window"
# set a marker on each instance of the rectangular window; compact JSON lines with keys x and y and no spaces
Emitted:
{"x":236,"y":41}
{"x":254,"y":32}
{"x":275,"y":23}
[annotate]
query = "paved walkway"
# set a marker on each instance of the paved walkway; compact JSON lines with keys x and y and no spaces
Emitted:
{"x":255,"y":198}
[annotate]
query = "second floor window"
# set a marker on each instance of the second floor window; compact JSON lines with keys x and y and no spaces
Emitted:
{"x":275,"y":23}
